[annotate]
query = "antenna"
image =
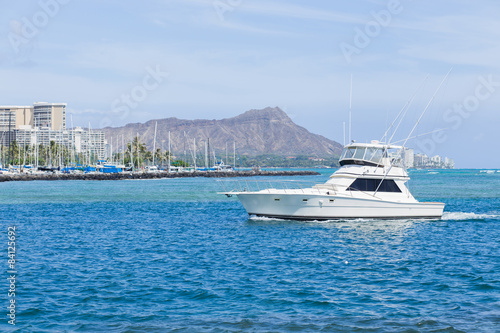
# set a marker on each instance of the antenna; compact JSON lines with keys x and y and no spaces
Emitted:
{"x":344,"y":132}
{"x":350,"y":111}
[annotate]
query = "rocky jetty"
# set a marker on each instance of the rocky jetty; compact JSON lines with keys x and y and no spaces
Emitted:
{"x":144,"y":175}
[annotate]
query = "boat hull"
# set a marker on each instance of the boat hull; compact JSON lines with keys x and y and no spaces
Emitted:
{"x":330,"y":207}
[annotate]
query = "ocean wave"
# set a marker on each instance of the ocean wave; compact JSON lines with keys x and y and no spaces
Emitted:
{"x":461,"y":216}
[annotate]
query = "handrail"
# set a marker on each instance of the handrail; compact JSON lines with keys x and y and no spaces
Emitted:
{"x":287,"y":186}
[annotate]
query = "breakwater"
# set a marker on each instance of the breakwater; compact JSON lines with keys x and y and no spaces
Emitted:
{"x":145,"y":175}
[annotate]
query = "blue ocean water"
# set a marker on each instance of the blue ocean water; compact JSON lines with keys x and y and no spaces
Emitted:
{"x":173,"y":255}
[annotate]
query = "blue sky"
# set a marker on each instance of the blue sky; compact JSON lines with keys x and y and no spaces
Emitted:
{"x":218,"y":58}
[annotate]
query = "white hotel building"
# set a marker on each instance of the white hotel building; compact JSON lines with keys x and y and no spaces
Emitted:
{"x":46,"y":122}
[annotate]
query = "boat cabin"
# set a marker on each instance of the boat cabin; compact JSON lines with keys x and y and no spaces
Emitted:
{"x":369,"y":154}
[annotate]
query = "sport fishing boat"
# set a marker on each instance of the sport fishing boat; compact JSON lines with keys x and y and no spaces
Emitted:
{"x":371,"y":183}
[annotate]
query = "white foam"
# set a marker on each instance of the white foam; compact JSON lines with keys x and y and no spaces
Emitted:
{"x":264,"y":218}
{"x":461,"y":216}
{"x":456,"y":216}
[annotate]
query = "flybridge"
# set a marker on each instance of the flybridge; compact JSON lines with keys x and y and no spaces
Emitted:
{"x":369,"y":154}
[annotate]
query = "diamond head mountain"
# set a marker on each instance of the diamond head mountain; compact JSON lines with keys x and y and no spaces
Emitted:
{"x":256,"y":132}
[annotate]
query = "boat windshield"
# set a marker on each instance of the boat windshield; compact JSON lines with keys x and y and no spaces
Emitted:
{"x":369,"y":154}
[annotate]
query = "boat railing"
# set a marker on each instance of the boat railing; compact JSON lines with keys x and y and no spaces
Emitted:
{"x":288,"y":186}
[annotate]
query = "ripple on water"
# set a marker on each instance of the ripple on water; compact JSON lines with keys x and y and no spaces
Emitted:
{"x":102,"y":258}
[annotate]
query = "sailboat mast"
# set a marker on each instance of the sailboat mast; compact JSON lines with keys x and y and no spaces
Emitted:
{"x":89,"y":151}
{"x":184,"y":143}
{"x":50,"y":151}
{"x":169,"y":152}
{"x":206,"y":156}
{"x":131,"y":153}
{"x":72,"y":131}
{"x":194,"y":149}
{"x":123,"y":151}
{"x":154,"y":144}
{"x":194,"y":153}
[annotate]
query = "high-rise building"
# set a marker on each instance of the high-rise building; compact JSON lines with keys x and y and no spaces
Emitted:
{"x":436,"y":159}
{"x":420,"y":160}
{"x":409,"y":157}
{"x":43,"y":123}
{"x":12,"y":118}
{"x":423,"y":161}
{"x":89,"y":141}
{"x":449,"y":163}
{"x":49,"y":115}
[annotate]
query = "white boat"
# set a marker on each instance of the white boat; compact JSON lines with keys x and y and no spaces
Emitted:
{"x":371,"y":183}
{"x":152,"y":169}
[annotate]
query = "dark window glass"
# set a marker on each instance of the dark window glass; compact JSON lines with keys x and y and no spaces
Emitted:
{"x":371,"y":185}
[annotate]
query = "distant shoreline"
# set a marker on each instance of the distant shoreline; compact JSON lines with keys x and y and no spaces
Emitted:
{"x":144,"y":175}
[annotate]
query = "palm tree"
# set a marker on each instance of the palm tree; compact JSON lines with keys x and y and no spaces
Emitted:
{"x":13,"y":153}
{"x":158,"y":156}
{"x":138,"y":149}
{"x":147,"y":156}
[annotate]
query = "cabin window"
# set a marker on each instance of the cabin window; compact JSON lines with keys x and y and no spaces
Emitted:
{"x":360,"y":153}
{"x":348,"y":153}
{"x":277,"y":199}
{"x":374,"y":155}
{"x":305,"y":200}
{"x":371,"y":185}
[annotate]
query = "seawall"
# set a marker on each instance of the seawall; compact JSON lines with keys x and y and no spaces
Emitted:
{"x":144,"y":175}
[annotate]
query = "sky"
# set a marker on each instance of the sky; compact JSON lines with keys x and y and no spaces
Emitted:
{"x":119,"y":62}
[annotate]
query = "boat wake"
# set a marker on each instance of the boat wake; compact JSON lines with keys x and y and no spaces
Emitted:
{"x":276,"y":219}
{"x":461,"y":216}
{"x":447,"y":216}
{"x":265,"y":219}
{"x":337,"y":221}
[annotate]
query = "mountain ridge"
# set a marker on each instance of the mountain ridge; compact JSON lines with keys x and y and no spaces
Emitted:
{"x":255,"y":132}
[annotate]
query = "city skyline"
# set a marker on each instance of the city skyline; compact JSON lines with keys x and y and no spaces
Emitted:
{"x":216,"y":59}
{"x":43,"y":123}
